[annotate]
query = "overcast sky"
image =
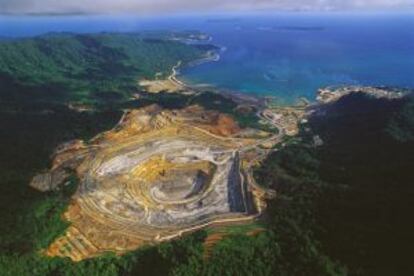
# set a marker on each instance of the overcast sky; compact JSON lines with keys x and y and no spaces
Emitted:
{"x":185,"y":6}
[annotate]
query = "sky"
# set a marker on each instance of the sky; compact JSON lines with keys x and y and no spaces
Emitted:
{"x":196,"y":6}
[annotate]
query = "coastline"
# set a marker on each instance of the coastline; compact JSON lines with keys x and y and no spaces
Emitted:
{"x":213,"y":56}
{"x":172,"y":84}
{"x":237,"y":96}
{"x":174,"y":74}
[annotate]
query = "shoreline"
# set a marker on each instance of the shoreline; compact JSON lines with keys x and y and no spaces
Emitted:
{"x":174,"y":74}
{"x":214,"y":56}
{"x":172,"y":84}
{"x":239,"y":97}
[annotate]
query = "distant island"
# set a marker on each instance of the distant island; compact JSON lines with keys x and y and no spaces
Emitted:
{"x":299,"y":28}
{"x":224,"y":20}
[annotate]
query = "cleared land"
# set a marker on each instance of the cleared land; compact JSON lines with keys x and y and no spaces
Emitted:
{"x":171,"y":84}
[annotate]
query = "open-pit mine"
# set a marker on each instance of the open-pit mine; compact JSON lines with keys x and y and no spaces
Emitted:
{"x":157,"y":175}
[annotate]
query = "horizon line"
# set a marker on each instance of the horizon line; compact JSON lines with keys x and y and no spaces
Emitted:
{"x":209,"y":13}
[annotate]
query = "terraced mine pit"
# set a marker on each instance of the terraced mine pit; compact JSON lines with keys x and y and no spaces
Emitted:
{"x":157,"y":175}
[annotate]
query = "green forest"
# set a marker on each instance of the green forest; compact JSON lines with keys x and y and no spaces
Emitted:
{"x":353,"y":194}
{"x":342,"y":208}
{"x":87,"y":68}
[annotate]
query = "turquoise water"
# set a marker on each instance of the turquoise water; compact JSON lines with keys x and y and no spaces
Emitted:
{"x":292,"y":56}
{"x":286,"y":55}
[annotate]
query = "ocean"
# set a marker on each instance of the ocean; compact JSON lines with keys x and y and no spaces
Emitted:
{"x":283,"y":55}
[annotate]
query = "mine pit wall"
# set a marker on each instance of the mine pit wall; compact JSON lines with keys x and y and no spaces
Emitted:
{"x":199,"y":184}
{"x":236,"y":198}
{"x":249,"y":197}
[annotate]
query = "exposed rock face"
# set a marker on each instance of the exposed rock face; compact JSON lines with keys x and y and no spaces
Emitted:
{"x":42,"y":182}
{"x":156,"y":175}
{"x":65,"y":159}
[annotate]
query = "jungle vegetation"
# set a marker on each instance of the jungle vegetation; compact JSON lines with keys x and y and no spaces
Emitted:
{"x":87,"y":68}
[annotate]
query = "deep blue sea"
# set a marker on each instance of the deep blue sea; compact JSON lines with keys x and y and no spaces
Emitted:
{"x":285,"y":55}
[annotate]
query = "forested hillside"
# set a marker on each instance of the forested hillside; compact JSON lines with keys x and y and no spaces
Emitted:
{"x":352,"y":195}
{"x":86,"y":68}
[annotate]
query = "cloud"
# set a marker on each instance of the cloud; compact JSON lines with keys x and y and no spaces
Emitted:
{"x":174,"y":6}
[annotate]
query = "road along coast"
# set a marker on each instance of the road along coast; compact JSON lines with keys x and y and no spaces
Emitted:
{"x":172,"y":84}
